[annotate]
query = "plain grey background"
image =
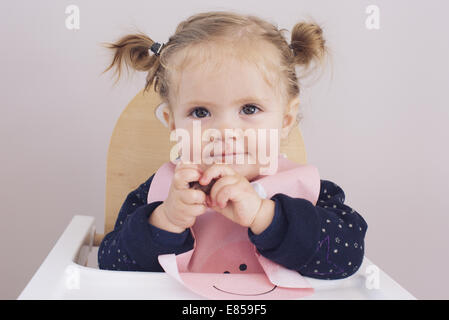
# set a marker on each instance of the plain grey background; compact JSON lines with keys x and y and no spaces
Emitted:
{"x":377,"y":126}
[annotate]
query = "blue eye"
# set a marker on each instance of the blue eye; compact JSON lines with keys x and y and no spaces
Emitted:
{"x":250,"y":109}
{"x":199,"y":112}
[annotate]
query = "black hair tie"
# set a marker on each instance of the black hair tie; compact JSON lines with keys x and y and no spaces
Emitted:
{"x":156,"y":48}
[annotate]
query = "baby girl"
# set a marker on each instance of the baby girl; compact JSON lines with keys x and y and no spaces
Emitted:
{"x":222,"y":71}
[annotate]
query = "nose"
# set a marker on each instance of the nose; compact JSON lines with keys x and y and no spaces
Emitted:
{"x":226,"y":132}
{"x":220,"y":125}
{"x":229,"y":133}
{"x":224,"y":123}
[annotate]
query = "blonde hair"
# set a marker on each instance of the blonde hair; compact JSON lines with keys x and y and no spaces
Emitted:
{"x":220,"y":35}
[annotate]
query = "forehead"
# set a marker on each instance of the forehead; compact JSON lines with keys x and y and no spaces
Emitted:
{"x":235,"y":80}
{"x":225,"y":78}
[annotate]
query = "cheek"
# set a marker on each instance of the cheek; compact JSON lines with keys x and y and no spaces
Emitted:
{"x":268,"y":129}
{"x":270,"y":119}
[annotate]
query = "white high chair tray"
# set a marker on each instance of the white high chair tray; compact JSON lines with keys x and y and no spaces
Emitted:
{"x":69,"y":272}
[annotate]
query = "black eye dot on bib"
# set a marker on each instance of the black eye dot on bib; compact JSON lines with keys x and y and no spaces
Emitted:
{"x":242,"y":267}
{"x":226,"y":272}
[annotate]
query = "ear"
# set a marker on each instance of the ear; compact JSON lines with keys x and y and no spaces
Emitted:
{"x":168,"y":117}
{"x":164,"y":115}
{"x":289,"y":119}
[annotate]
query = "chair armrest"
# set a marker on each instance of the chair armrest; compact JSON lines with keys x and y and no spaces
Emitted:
{"x":73,"y":245}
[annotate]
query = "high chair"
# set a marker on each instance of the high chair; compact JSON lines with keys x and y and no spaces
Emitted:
{"x":139,"y":146}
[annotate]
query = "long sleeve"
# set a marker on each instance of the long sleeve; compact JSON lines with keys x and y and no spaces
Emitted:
{"x":324,"y":241}
{"x":135,"y":244}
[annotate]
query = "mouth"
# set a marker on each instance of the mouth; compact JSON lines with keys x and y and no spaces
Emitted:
{"x":228,"y":154}
{"x":230,"y":158}
{"x":243,"y":294}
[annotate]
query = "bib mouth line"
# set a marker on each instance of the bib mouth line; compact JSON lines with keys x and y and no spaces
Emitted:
{"x":244,"y":294}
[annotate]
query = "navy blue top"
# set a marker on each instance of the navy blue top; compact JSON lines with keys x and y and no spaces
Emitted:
{"x":325,"y":241}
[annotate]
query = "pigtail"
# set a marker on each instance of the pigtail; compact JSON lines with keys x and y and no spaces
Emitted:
{"x":308,"y":44}
{"x":133,"y":51}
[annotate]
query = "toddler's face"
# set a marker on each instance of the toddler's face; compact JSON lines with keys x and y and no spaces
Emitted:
{"x":239,"y":98}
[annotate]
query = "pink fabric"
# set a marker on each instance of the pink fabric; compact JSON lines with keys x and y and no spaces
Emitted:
{"x":222,"y":245}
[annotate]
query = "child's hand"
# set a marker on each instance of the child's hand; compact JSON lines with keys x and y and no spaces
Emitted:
{"x":232,"y":195}
{"x":183,"y":204}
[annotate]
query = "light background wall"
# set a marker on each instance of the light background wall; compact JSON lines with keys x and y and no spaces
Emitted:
{"x":378,"y":128}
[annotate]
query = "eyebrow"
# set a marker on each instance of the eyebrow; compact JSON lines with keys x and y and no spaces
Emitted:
{"x":241,"y":100}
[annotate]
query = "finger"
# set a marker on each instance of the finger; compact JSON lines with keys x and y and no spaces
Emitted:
{"x":193,"y":196}
{"x":227,"y":193}
{"x":182,"y":177}
{"x":222,"y":182}
{"x":216,"y":171}
{"x":186,"y":165}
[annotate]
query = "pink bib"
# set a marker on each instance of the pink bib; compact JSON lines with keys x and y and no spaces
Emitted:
{"x":224,"y":263}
